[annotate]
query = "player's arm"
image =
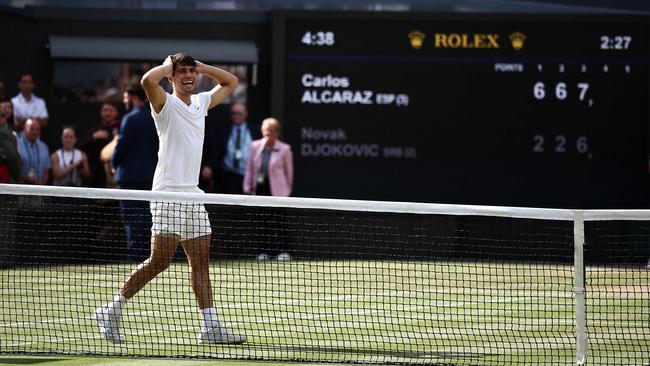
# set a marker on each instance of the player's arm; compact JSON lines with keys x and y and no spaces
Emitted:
{"x":151,"y":83}
{"x":226,"y":82}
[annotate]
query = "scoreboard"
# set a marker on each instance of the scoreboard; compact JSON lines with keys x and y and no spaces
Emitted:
{"x":525,"y":110}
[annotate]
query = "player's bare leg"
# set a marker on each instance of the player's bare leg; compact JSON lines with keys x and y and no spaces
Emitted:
{"x":108,"y":316}
{"x":198,"y":256}
{"x":162,"y":253}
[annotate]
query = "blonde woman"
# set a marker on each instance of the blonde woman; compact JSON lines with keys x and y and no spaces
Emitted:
{"x":269,"y":171}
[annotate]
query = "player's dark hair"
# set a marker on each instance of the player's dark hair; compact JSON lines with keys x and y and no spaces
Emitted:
{"x":137,"y":91}
{"x":182,"y":59}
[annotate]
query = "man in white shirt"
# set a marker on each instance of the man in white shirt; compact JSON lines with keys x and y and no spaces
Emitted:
{"x":180,"y":123}
{"x":27,"y":105}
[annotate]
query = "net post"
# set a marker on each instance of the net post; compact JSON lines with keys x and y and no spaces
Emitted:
{"x":579,"y":287}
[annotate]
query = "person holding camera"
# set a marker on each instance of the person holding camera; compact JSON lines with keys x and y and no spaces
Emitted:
{"x":69,"y":165}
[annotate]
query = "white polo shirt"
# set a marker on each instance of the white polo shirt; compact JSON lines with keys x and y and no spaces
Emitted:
{"x":35,"y":108}
{"x":181,"y":129}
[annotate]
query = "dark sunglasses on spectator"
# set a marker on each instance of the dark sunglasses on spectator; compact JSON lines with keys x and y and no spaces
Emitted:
{"x":235,"y":113}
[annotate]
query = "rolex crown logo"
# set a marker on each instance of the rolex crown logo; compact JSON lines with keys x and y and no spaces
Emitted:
{"x":417,"y":38}
{"x":517,"y":39}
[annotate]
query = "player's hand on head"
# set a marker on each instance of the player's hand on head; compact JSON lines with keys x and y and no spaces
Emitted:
{"x":199,"y":66}
{"x":170,"y":65}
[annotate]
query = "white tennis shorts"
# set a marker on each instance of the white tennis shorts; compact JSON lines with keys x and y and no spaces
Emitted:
{"x":188,"y":220}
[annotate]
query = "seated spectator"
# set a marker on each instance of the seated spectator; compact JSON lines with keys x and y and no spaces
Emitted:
{"x":34,"y":153}
{"x":69,"y":165}
{"x":96,"y":139}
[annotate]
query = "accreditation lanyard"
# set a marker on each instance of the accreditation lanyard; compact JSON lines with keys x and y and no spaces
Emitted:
{"x":63,"y":158}
{"x":28,"y":149}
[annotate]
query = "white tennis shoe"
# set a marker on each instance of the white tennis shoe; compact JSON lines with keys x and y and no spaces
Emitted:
{"x":283,"y":257}
{"x":220,"y":335}
{"x":109,"y":323}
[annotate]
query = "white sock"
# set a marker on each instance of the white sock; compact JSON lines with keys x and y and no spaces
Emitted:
{"x":118,"y":302}
{"x":210,"y":318}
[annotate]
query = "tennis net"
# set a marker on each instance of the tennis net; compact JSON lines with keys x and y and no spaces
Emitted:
{"x":331,"y":280}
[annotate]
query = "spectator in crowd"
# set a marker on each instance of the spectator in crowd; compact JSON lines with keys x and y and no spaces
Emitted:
{"x":69,"y":164}
{"x":27,"y":105}
{"x":269,"y":172}
{"x":96,"y":139}
{"x":135,"y":159}
{"x":10,"y":163}
{"x":34,"y":153}
{"x":229,"y":154}
{"x":7,"y":114}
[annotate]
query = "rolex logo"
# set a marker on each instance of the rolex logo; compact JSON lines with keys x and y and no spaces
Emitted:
{"x":417,"y":38}
{"x":517,"y":39}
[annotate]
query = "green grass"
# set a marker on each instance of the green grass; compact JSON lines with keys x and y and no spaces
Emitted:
{"x":461,"y":313}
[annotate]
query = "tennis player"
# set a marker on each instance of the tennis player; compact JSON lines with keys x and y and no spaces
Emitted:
{"x":180,"y":123}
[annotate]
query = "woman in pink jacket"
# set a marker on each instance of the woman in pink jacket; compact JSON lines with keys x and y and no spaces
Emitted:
{"x":269,"y":171}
